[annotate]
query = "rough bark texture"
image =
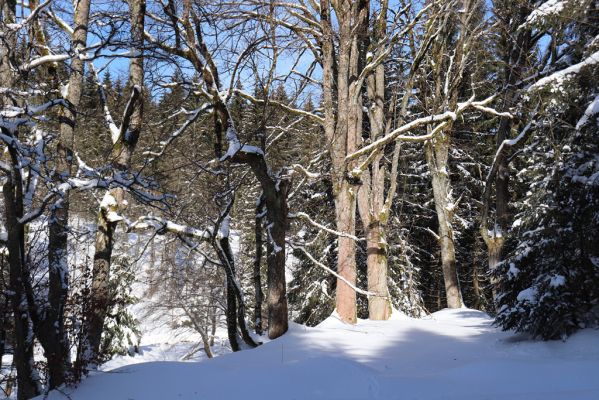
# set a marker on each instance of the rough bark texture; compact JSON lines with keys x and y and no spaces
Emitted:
{"x":258,"y":295}
{"x":373,"y":206}
{"x":342,"y":127}
{"x":275,"y":198}
{"x":437,"y":156}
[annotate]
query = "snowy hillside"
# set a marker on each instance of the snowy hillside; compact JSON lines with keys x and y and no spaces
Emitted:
{"x":453,"y":354}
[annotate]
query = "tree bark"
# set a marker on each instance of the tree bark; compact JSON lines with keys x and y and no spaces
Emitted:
{"x":114,"y":199}
{"x":373,"y":206}
{"x":235,"y":314}
{"x":58,"y":352}
{"x":258,"y":295}
{"x":437,"y":154}
{"x":342,"y":125}
{"x":27,"y":378}
{"x":379,"y":306}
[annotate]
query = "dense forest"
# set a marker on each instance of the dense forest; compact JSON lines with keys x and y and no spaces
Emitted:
{"x":272,"y":161}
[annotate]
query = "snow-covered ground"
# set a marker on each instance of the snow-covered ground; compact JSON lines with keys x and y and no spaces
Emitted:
{"x":453,"y":354}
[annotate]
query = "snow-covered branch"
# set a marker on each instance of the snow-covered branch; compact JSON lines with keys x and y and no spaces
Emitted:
{"x":396,"y":135}
{"x":306,"y":217}
{"x":335,"y":274}
{"x":162,"y":226}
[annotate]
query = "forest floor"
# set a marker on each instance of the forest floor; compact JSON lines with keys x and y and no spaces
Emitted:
{"x":452,"y":354}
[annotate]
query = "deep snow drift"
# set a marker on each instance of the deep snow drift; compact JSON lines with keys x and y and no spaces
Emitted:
{"x":453,"y":354}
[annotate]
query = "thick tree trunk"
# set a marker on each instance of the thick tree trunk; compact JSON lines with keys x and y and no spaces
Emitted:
{"x":437,"y":157}
{"x":379,"y":307}
{"x":373,"y":207}
{"x":343,"y":129}
{"x":277,"y":290}
{"x":258,"y":295}
{"x":275,"y":198}
{"x":345,"y":206}
{"x":99,"y":301}
{"x":4,"y":317}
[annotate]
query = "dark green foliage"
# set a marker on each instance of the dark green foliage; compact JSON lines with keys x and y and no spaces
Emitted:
{"x":121,"y":333}
{"x":550,"y":282}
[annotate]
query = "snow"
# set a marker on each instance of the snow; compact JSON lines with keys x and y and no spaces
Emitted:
{"x":547,"y":9}
{"x":592,"y":109}
{"x":452,"y":354}
{"x":557,"y":78}
{"x":529,"y":295}
{"x":557,"y":281}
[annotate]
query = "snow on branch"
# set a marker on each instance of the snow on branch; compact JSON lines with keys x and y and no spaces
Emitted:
{"x":306,"y":217}
{"x":135,"y":93}
{"x":302,"y":170}
{"x":115,"y":132}
{"x":162,"y":226}
{"x":500,"y":156}
{"x":592,"y":109}
{"x":335,"y":274}
{"x":32,"y":16}
{"x":558,"y":77}
{"x":396,"y":135}
{"x":235,"y":146}
{"x":51,"y":58}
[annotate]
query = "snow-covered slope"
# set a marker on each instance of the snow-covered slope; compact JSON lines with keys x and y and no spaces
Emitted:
{"x":454,"y":354}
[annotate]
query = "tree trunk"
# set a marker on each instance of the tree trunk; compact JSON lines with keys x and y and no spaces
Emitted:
{"x":379,"y":307}
{"x":235,"y":304}
{"x":27,"y":378}
{"x":59,"y":356}
{"x":437,"y":155}
{"x":258,"y":295}
{"x":4,"y":316}
{"x":114,"y":199}
{"x":98,"y":304}
{"x":345,"y":206}
{"x":276,"y":206}
{"x":343,"y":129}
{"x":231,"y":313}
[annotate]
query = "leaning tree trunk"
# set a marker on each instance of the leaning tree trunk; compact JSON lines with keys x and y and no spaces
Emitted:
{"x":235,"y":313}
{"x":231,"y":309}
{"x":437,"y":156}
